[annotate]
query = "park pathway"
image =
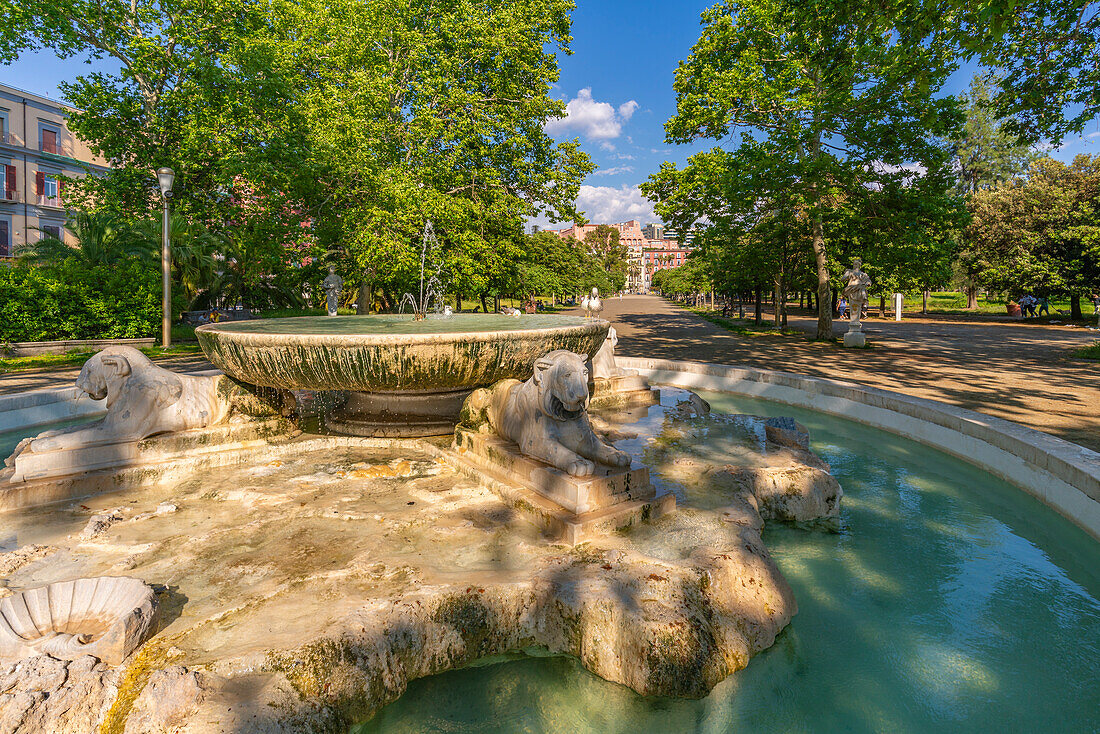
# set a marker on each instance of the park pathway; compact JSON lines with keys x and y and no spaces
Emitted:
{"x":1019,"y":372}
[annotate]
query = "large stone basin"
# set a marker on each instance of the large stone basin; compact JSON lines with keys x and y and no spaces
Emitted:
{"x":403,"y":377}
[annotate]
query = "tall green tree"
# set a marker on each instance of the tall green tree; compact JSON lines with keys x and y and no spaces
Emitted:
{"x":1040,"y":234}
{"x":987,"y":152}
{"x":434,"y":110}
{"x":1046,"y":52}
{"x":827,"y":97}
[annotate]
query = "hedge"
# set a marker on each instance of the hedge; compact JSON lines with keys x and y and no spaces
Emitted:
{"x":75,"y":301}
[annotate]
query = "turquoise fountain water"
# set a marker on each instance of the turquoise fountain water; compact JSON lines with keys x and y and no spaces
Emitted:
{"x":949,"y":601}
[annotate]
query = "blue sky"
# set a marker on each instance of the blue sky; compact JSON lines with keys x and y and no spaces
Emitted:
{"x":618,"y":83}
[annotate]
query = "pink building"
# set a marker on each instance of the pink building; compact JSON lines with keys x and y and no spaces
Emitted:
{"x":649,"y":255}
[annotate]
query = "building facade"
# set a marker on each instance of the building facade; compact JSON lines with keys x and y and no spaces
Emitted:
{"x":37,"y":152}
{"x":648,"y":250}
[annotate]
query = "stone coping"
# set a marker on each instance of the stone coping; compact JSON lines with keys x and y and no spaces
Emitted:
{"x":1059,"y":473}
{"x":39,"y":407}
{"x":548,"y":324}
{"x":28,"y":349}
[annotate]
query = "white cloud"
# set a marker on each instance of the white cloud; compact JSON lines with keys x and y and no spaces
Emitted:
{"x":623,"y":157}
{"x":608,"y":204}
{"x":610,"y":147}
{"x":614,"y":171}
{"x":1094,"y":135}
{"x":596,"y":120}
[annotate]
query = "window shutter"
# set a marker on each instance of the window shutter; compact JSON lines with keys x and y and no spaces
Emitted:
{"x":9,"y":178}
{"x":39,"y":183}
{"x":5,"y":242}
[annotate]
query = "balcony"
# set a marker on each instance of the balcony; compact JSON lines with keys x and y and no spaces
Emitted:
{"x":43,"y":200}
{"x":9,"y":195}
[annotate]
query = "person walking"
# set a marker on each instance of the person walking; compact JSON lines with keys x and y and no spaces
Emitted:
{"x":1044,"y":306}
{"x":842,"y":308}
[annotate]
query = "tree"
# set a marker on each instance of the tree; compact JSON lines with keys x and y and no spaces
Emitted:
{"x":100,"y":238}
{"x":986,"y":152}
{"x":828,"y":97}
{"x":1047,"y":54}
{"x":427,"y":110}
{"x":603,"y":242}
{"x":1040,"y":235}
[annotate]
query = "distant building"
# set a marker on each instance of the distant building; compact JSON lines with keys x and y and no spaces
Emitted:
{"x":687,"y":238}
{"x":36,"y":151}
{"x":645,"y":254}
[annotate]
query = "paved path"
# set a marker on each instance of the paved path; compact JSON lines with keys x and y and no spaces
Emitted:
{"x":1015,"y":371}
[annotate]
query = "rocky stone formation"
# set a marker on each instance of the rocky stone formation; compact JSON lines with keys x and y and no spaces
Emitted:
{"x":312,"y":585}
{"x":44,"y":694}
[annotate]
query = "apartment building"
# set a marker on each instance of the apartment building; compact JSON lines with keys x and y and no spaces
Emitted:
{"x":649,"y":249}
{"x":37,"y":151}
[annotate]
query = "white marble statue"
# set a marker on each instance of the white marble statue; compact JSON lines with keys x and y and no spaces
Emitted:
{"x":592,"y":304}
{"x":547,"y":416}
{"x":856,"y":284}
{"x":332,"y":284}
{"x":603,"y":364}
{"x":142,"y":400}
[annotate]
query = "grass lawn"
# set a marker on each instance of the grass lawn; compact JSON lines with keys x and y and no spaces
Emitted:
{"x":75,"y":358}
{"x":955,"y":303}
{"x":1092,"y":351}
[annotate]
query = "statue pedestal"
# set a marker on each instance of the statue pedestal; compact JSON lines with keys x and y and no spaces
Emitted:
{"x":623,"y":391}
{"x":571,"y":509}
{"x":855,"y":339}
{"x":32,"y":478}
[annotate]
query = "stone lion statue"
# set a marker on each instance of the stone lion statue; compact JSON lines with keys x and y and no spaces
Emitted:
{"x":547,"y":416}
{"x":603,"y":364}
{"x":142,"y":400}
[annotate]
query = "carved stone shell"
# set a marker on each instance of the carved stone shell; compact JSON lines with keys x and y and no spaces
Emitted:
{"x":107,"y":617}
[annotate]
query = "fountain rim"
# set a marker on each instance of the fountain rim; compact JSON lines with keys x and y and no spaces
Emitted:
{"x":588,"y":326}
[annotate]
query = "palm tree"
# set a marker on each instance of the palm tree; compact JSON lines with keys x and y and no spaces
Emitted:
{"x":101,"y":238}
{"x":193,"y":248}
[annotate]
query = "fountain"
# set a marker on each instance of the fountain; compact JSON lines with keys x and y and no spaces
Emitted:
{"x":202,"y":557}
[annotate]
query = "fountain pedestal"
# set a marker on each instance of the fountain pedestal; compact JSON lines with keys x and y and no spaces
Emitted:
{"x":398,"y":414}
{"x":572,"y":509}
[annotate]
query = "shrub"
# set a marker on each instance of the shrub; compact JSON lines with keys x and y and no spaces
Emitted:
{"x":76,"y":301}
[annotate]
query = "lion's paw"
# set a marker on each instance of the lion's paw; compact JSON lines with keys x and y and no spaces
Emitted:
{"x":580,"y":468}
{"x":620,"y":458}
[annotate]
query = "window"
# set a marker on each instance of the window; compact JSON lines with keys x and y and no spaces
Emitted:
{"x":4,"y":126}
{"x":49,"y":138}
{"x":47,"y":186}
{"x":5,"y":237}
{"x":7,"y":175}
{"x":51,"y":230}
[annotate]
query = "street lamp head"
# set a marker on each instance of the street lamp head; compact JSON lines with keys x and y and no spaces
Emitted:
{"x":166,"y":176}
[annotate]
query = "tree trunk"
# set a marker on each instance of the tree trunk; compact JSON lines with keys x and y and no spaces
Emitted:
{"x":1075,"y":308}
{"x":759,"y":297}
{"x":741,"y":305}
{"x":484,"y":306}
{"x":496,"y":304}
{"x":775,"y":302}
{"x":882,"y":305}
{"x":924,"y":303}
{"x":971,"y":298}
{"x":782,"y":305}
{"x":363,"y":302}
